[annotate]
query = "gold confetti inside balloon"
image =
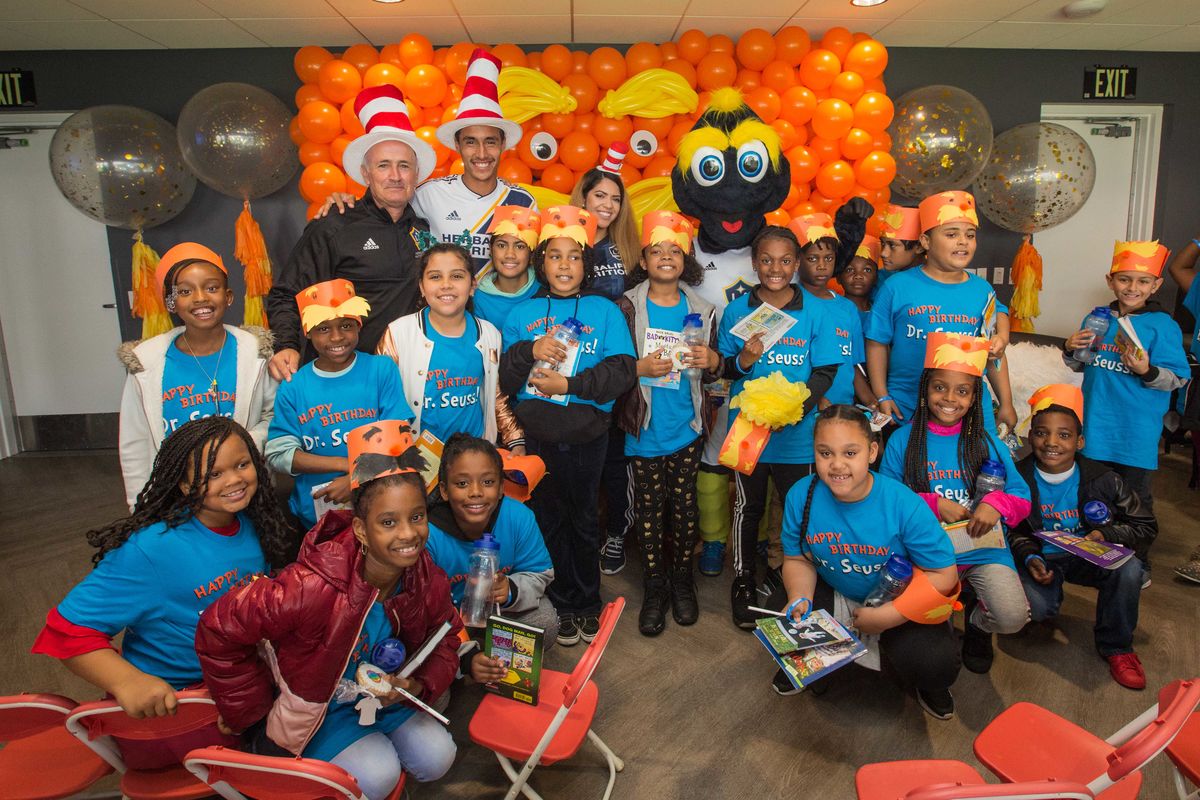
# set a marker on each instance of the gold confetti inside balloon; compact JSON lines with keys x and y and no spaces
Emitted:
{"x":941,"y":138}
{"x":121,"y":166}
{"x":1038,"y":175}
{"x":235,"y":138}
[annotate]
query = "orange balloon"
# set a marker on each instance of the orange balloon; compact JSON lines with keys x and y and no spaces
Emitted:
{"x":558,"y":125}
{"x":715,"y":71}
{"x":832,"y":119}
{"x":819,"y":68}
{"x":838,"y":41}
{"x":788,"y":138}
{"x":585,"y":122}
{"x":805,"y":164}
{"x":629,"y":174}
{"x":607,"y":67}
{"x":313,"y":208}
{"x":802,"y":190}
{"x":797,"y":105}
{"x":778,"y":75}
{"x":765,"y":102}
{"x":538,"y":149}
{"x":835,"y":179}
{"x":308,"y":61}
{"x":873,"y":112}
{"x":515,"y":170}
{"x":535,"y":61}
{"x":454,"y":93}
{"x":579,"y":62}
{"x":678,"y":131}
{"x":805,"y":207}
{"x":875,"y":170}
{"x":312,"y":152}
{"x":820,"y":202}
{"x":868,"y":58}
{"x":875,"y":85}
{"x":338,"y":147}
{"x":456,"y":167}
{"x":321,"y":179}
{"x":720,"y":43}
{"x":826,"y":150}
{"x":349,"y":119}
{"x":660,"y":166}
{"x":425,"y":85}
{"x":556,"y":62}
{"x":860,"y":36}
{"x":319,"y":121}
{"x":415,"y":49}
{"x":431,"y":116}
{"x":882,"y":141}
{"x":642,"y":56}
{"x":355,"y":188}
{"x":607,"y":131}
{"x":669,"y":50}
{"x":847,"y":86}
{"x":390,"y":54}
{"x":777,"y":217}
{"x":307,"y":93}
{"x":511,"y":55}
{"x":384,"y":73}
{"x":558,"y":178}
{"x":294,"y":132}
{"x":856,"y":143}
{"x":339,"y":80}
{"x":362,"y":56}
{"x":585,"y":91}
{"x":755,"y":49}
{"x":439,"y":58}
{"x":579,"y":151}
{"x":693,"y":45}
{"x":747,"y":80}
{"x":682,"y":68}
{"x":457,"y":60}
{"x":428,"y":134}
{"x":792,"y":44}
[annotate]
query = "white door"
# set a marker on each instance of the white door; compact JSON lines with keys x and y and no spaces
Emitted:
{"x":59,"y":338}
{"x":1076,"y":254}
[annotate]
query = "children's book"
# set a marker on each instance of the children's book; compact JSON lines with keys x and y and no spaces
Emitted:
{"x":785,"y":635}
{"x":430,"y":448}
{"x":1127,"y":338}
{"x":767,"y":320}
{"x":964,"y":543}
{"x":1103,"y":554}
{"x":520,"y":647}
{"x":671,"y":343}
{"x":418,"y":658}
{"x":321,"y":504}
{"x":811,"y":662}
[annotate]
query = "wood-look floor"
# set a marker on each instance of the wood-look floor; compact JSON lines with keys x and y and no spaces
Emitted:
{"x":692,"y":711}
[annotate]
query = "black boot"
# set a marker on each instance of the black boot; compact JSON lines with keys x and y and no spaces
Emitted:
{"x":684,"y":606}
{"x":741,"y":597}
{"x":977,"y":653}
{"x":656,"y":597}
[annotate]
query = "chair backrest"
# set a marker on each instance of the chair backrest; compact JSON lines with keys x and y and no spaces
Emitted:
{"x":1025,"y":790}
{"x":23,"y":715}
{"x":591,"y":658}
{"x":94,"y":723}
{"x":1177,"y":701}
{"x":234,"y":774}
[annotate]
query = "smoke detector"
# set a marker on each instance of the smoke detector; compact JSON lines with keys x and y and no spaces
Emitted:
{"x":1078,"y":9}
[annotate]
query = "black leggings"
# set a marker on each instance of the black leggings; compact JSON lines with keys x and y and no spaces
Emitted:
{"x":750,"y":503}
{"x":666,"y":485}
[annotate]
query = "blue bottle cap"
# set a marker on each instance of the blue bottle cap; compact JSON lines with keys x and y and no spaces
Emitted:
{"x":487,"y":543}
{"x":899,"y":566}
{"x":1096,"y":512}
{"x":991,"y":466}
{"x":389,"y":654}
{"x":1102,"y":311}
{"x":574,"y":325}
{"x":693,"y":320}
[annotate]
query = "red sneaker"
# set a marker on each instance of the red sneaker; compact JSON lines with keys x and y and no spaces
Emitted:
{"x":1126,"y":670}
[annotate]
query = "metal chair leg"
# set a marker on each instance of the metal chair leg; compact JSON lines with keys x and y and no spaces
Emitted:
{"x":520,"y":783}
{"x":615,"y":764}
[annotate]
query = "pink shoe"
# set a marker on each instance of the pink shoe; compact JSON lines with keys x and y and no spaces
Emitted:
{"x":1126,"y":670}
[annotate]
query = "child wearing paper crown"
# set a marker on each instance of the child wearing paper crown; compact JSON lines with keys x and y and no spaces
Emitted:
{"x":566,"y":410}
{"x":200,"y":369}
{"x":861,"y":278}
{"x":666,"y":416}
{"x":1064,"y":484}
{"x":362,"y":577}
{"x":514,"y":232}
{"x":327,"y":397}
{"x":839,"y":528}
{"x":807,"y":354}
{"x":899,"y":241}
{"x":939,"y":456}
{"x":1128,"y":388}
{"x":937,"y":296}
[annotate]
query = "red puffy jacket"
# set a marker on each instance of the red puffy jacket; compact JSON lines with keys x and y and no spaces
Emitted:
{"x":296,"y":632}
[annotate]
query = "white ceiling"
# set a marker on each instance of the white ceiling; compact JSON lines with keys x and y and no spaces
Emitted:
{"x":1163,"y":25}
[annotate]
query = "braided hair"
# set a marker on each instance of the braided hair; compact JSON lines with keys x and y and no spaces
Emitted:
{"x":460,"y":443}
{"x":538,"y":259}
{"x":972,"y":440}
{"x":840,"y":412}
{"x":162,"y":499}
{"x":774,"y":232}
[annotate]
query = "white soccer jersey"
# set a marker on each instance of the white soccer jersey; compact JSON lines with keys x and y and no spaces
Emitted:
{"x":451,"y":208}
{"x":727,"y":276}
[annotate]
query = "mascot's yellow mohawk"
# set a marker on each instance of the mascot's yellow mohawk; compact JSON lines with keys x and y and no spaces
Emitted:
{"x":727,"y":122}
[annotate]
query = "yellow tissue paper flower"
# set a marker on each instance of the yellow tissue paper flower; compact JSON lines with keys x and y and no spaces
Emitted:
{"x":772,"y":401}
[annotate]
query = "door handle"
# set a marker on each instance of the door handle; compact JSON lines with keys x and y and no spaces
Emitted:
{"x":109,"y":305}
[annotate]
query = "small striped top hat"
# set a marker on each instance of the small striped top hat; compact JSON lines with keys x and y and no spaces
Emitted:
{"x":480,"y":103}
{"x":613,"y":158}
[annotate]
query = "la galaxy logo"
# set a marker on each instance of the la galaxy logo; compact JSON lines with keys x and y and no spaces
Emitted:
{"x":736,"y":290}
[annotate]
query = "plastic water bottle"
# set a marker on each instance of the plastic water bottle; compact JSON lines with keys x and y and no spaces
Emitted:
{"x":693,"y":334}
{"x":991,"y":478}
{"x":893,"y":580}
{"x":1097,"y":322}
{"x":568,"y":333}
{"x":1097,"y":514}
{"x":481,"y":578}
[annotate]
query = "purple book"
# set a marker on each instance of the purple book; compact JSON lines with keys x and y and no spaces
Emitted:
{"x":1102,"y":554}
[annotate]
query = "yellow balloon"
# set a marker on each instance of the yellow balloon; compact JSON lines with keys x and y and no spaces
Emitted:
{"x":525,"y":93}
{"x":652,"y":93}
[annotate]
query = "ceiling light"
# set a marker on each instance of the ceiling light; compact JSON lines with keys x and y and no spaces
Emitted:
{"x":867,"y":3}
{"x":1083,"y":8}
{"x":389,"y":2}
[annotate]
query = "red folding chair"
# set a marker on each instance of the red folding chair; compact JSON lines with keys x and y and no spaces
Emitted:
{"x":1029,"y":790}
{"x":95,"y":724}
{"x":935,"y":779}
{"x":1184,"y":753}
{"x":235,"y":775}
{"x":552,"y":730}
{"x":40,"y":760}
{"x":1027,"y":742}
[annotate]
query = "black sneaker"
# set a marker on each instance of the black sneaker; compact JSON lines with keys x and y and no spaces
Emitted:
{"x":589,"y":627}
{"x":977,"y":652}
{"x":656,"y":597}
{"x":568,"y":632}
{"x":937,"y":703}
{"x":741,"y":597}
{"x":771,"y":592}
{"x":685,"y":608}
{"x":783,"y":685}
{"x":612,"y":555}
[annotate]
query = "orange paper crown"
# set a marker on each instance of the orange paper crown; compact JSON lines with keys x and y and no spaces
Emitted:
{"x":810,"y":228}
{"x":744,"y":445}
{"x":519,"y":221}
{"x":667,"y":226}
{"x":328,"y":300}
{"x":185,"y":251}
{"x":1147,"y":257}
{"x":522,"y":474}
{"x":901,"y":223}
{"x":570,"y":221}
{"x":957,"y":352}
{"x":868,"y":248}
{"x":946,"y":207}
{"x":380,"y":448}
{"x":1066,"y":395}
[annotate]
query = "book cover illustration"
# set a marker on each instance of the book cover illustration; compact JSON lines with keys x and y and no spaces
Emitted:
{"x":767,"y":320}
{"x":1127,"y":339}
{"x":1103,"y":554}
{"x":813,"y":663}
{"x":520,"y":647}
{"x":673,"y":347}
{"x":964,"y":543}
{"x":430,"y":448}
{"x":787,"y":636}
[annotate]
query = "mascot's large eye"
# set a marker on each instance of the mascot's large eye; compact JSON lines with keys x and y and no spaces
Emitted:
{"x":752,"y":161}
{"x":643,"y":143}
{"x":543,"y":146}
{"x":708,"y":166}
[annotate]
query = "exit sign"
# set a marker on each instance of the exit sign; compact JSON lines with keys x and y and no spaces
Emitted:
{"x":16,"y":88}
{"x":1109,"y":83}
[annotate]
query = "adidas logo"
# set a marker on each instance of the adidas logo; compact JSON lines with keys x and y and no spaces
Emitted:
{"x":453,"y":217}
{"x":370,"y":245}
{"x":710,"y":266}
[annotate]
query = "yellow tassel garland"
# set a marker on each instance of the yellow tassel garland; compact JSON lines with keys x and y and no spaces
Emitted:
{"x":147,"y":297}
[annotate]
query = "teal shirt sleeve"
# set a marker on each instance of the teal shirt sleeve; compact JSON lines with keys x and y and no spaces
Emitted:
{"x":880,"y":327}
{"x":283,"y":436}
{"x":1167,"y":351}
{"x":924,"y":539}
{"x":116,"y":594}
{"x":892,"y":462}
{"x":392,"y":404}
{"x":530,"y":554}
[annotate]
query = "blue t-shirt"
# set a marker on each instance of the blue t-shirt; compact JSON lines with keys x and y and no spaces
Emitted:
{"x":605,"y":332}
{"x":844,"y":319}
{"x":808,"y":344}
{"x":907,"y":308}
{"x":1191,"y":301}
{"x":671,"y":410}
{"x":493,"y":305}
{"x":453,"y":384}
{"x":340,"y":728}
{"x":187,"y":390}
{"x":849,"y":542}
{"x":156,"y":585}
{"x":608,"y":278}
{"x":946,"y":478}
{"x":522,"y":548}
{"x":1059,"y":506}
{"x":1122,"y":417}
{"x":316,"y":409}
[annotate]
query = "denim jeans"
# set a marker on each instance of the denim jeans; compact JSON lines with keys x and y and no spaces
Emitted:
{"x":421,"y":746}
{"x":1116,"y":604}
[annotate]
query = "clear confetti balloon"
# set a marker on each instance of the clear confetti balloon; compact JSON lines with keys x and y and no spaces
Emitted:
{"x":234,"y":136}
{"x":121,"y":166}
{"x":941,"y":138}
{"x":1038,"y":176}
